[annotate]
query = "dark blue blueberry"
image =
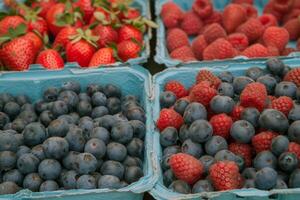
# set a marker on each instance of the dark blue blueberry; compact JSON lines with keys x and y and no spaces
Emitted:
{"x":184,"y":133}
{"x":136,"y":113}
{"x":283,"y":176}
{"x":280,"y":184}
{"x":294,"y":131}
{"x":87,"y":125}
{"x":8,"y":127}
{"x":49,"y":185}
{"x":275,"y":66}
{"x":22,"y":99}
{"x":180,"y":187}
{"x":75,"y":117}
{"x":192,"y":148}
{"x":92,"y":88}
{"x":32,"y":182}
{"x":49,"y":169}
{"x":225,"y":155}
{"x":133,"y":174}
{"x":69,"y":160}
{"x":114,"y":168}
{"x":28,"y":107}
{"x":286,"y":89}
{"x":240,"y":82}
{"x":13,"y":176}
{"x":28,"y":116}
{"x":122,"y":132}
{"x":193,"y":112}
{"x":9,"y":188}
{"x":274,"y":120}
{"x":265,"y":178}
{"x":288,"y":162}
{"x":59,"y":108}
{"x":8,"y":160}
{"x":202,"y":186}
{"x":101,"y":134}
{"x":12,"y":109}
{"x":19,"y":139}
{"x":68,"y":118}
{"x":207,"y":161}
{"x":99,"y":111}
{"x":34,"y":133}
{"x":116,"y":151}
{"x":75,"y":139}
{"x":242,"y":131}
{"x":56,"y":147}
{"x":130,"y":98}
{"x":86,"y":182}
{"x":70,"y":98}
{"x":132,"y":161}
{"x":85,"y":163}
{"x":96,"y":147}
{"x":99,"y":99}
{"x":110,"y":182}
{"x":264,"y":159}
{"x":165,"y":162}
{"x":107,"y":122}
{"x":180,"y":105}
{"x":249,"y":173}
{"x":41,"y":106}
{"x":298,"y":94}
{"x":27,"y":163}
{"x":71,"y":85}
{"x":221,"y":104}
{"x":38,"y":151}
{"x":294,"y":181}
{"x":215,"y":144}
{"x":167,"y":99}
{"x":251,"y":115}
{"x":249,"y":183}
{"x":22,"y":150}
{"x":239,"y":160}
{"x":139,"y":129}
{"x":69,"y":179}
{"x":112,"y":91}
{"x":96,"y":175}
{"x":5,"y":97}
{"x":50,"y":94}
{"x":294,"y":114}
{"x":269,"y":81}
{"x":46,"y":117}
{"x":279,"y":145}
{"x":168,"y":177}
{"x":120,"y":117}
{"x":8,"y":142}
{"x":84,"y":97}
{"x":226,"y":89}
{"x":127,"y":105}
{"x":84,"y":108}
{"x":171,"y":150}
{"x":136,"y":148}
{"x":286,"y":69}
{"x":58,"y":128}
{"x":226,"y":76}
{"x":168,"y":137}
{"x":4,"y":119}
{"x":254,"y":73}
{"x":113,"y":105}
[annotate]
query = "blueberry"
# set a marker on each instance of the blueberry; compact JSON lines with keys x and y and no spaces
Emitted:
{"x":32,"y":182}
{"x":92,"y":88}
{"x":85,"y":163}
{"x":58,"y":128}
{"x":120,"y":117}
{"x":13,"y":176}
{"x":70,"y":159}
{"x":207,"y":161}
{"x":136,"y":147}
{"x":56,"y":147}
{"x":133,"y":174}
{"x":41,"y":106}
{"x":136,"y":113}
{"x":4,"y":119}
{"x":108,"y":181}
{"x":12,"y":109}
{"x":294,"y":131}
{"x":168,"y":137}
{"x":71,"y":85}
{"x":101,"y":134}
{"x":249,"y":173}
{"x":84,"y":97}
{"x":251,"y":115}
{"x":34,"y":133}
{"x":139,"y":129}
{"x":59,"y":108}
{"x":193,"y":112}
{"x":86,"y":124}
{"x":242,"y":131}
{"x":132,"y":161}
{"x":294,"y":114}
{"x":96,"y":175}
{"x":48,"y":185}
{"x":180,"y":187}
{"x":264,"y":159}
{"x":86,"y":182}
{"x":180,"y":105}
{"x":273,"y":120}
{"x":99,"y":99}
{"x":240,"y":82}
{"x":215,"y":144}
{"x":283,"y":176}
{"x":226,"y":89}
{"x":49,"y":169}
{"x":8,"y":142}
{"x":112,"y":91}
{"x":269,"y":81}
{"x":9,"y":188}
{"x":99,"y":111}
{"x":50,"y":94}
{"x":226,"y":76}
{"x":249,"y":183}
{"x":19,"y":139}
{"x":286,"y":89}
{"x":129,"y":105}
{"x":202,"y":186}
{"x":27,"y":107}
{"x":8,"y":160}
{"x":165,"y":162}
{"x":171,"y":150}
{"x":46,"y":117}
{"x":75,"y":139}
{"x":70,"y":98}
{"x":22,"y":99}
{"x":107,"y":121}
{"x":22,"y":150}
{"x":113,"y":105}
{"x":167,"y":99}
{"x":8,"y":127}
{"x":38,"y":151}
{"x":114,"y":168}
{"x":28,"y":116}
{"x":75,"y":116}
{"x":225,"y":155}
{"x":221,"y":104}
{"x":168,"y":177}
{"x":116,"y":151}
{"x":84,"y":108}
{"x":27,"y":163}
{"x":265,"y":178}
{"x":288,"y":161}
{"x":130,"y":98}
{"x":69,"y":119}
{"x":122,"y":132}
{"x":275,"y":66}
{"x":5,"y":97}
{"x":280,"y":184}
{"x":294,"y":181}
{"x":254,"y":73}
{"x":279,"y":145}
{"x":184,"y":133}
{"x":69,"y":179}
{"x":96,"y":147}
{"x":192,"y":148}
{"x":239,"y":160}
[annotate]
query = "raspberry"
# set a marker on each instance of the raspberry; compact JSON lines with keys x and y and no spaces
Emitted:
{"x":198,"y":46}
{"x":271,"y":98}
{"x":263,"y":140}
{"x":221,"y":124}
{"x":233,"y":16}
{"x":177,"y":88}
{"x":251,"y":11}
{"x":171,"y":14}
{"x":203,"y":8}
{"x":282,"y":6}
{"x":225,"y":175}
{"x":287,"y":51}
{"x":276,"y":36}
{"x":202,"y":93}
{"x":273,"y":51}
{"x":293,"y":27}
{"x":176,"y":38}
{"x":268,"y":20}
{"x":191,"y":23}
{"x":169,"y":117}
{"x":205,"y":75}
{"x":243,"y":1}
{"x":283,"y":104}
{"x":298,"y":44}
{"x":254,"y":95}
{"x":236,"y":112}
{"x":256,"y":51}
{"x":213,"y":32}
{"x":292,"y":15}
{"x":185,"y":167}
{"x":294,"y":148}
{"x":293,"y":76}
{"x":215,"y":17}
{"x":184,"y":53}
{"x":243,"y":150}
{"x":270,"y":10}
{"x":252,"y":28}
{"x":239,"y":41}
{"x":219,"y":49}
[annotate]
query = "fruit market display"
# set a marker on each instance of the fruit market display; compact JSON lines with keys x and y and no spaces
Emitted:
{"x":238,"y":30}
{"x":91,"y":33}
{"x":71,"y":139}
{"x":230,"y":132}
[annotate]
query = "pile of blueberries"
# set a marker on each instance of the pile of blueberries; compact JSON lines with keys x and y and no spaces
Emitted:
{"x":71,"y":139}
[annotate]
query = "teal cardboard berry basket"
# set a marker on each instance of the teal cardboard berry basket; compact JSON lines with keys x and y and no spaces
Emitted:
{"x":135,"y":80}
{"x":187,"y":75}
{"x":162,"y":56}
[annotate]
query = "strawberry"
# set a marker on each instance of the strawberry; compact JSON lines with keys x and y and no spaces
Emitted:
{"x":128,"y":32}
{"x":293,"y":27}
{"x":256,"y":51}
{"x":214,"y":31}
{"x":103,"y":56}
{"x":176,"y":38}
{"x":185,"y":167}
{"x":171,"y":14}
{"x":276,"y":36}
{"x":86,"y":8}
{"x":50,"y":59}
{"x":177,"y":88}
{"x":233,"y":16}
{"x":10,"y":22}
{"x":236,"y":112}
{"x":294,"y":148}
{"x":283,"y":104}
{"x":169,"y":117}
{"x":243,"y":150}
{"x":239,"y":41}
{"x":107,"y":35}
{"x":268,"y":20}
{"x":293,"y":76}
{"x":191,"y":23}
{"x":130,"y":13}
{"x":198,"y":46}
{"x":184,"y":53}
{"x":252,"y":28}
{"x":202,"y":93}
{"x":219,"y":49}
{"x":128,"y":49}
{"x":35,"y":39}
{"x":63,"y":37}
{"x":225,"y":175}
{"x":44,"y":6}
{"x":221,"y":124}
{"x":263,"y":140}
{"x":205,"y":75}
{"x":101,"y":16}
{"x":203,"y":8}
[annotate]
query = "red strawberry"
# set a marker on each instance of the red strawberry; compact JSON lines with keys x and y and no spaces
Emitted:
{"x":177,"y":88}
{"x":214,"y":31}
{"x":243,"y":150}
{"x":293,"y":27}
{"x":219,"y":49}
{"x":263,"y":140}
{"x":205,"y":75}
{"x":203,"y":8}
{"x":283,"y":104}
{"x":171,"y":14}
{"x":44,"y":5}
{"x":107,"y":35}
{"x":128,"y":32}
{"x":184,"y":53}
{"x":236,"y":112}
{"x":169,"y":117}
{"x":39,"y":25}
{"x":103,"y":56}
{"x":176,"y":38}
{"x":101,"y":16}
{"x":252,"y":28}
{"x":254,"y":95}
{"x":293,"y":76}
{"x":221,"y":124}
{"x":86,"y":8}
{"x":294,"y":148}
{"x":202,"y":93}
{"x":251,"y":11}
{"x":225,"y":175}
{"x":130,"y":13}
{"x":233,"y":16}
{"x":276,"y":36}
{"x":191,"y":23}
{"x":198,"y":46}
{"x":10,"y":22}
{"x":50,"y":59}
{"x":256,"y":51}
{"x":185,"y":167}
{"x":63,"y":37}
{"x":35,"y":39}
{"x":128,"y":50}
{"x":239,"y":41}
{"x":268,"y":20}
{"x":215,"y":17}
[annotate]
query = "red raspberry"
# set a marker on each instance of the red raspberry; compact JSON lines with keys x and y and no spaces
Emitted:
{"x":268,"y":20}
{"x":233,"y":16}
{"x":191,"y":23}
{"x":177,"y":88}
{"x":205,"y":75}
{"x":219,"y":49}
{"x":293,"y":27}
{"x":276,"y":36}
{"x":225,"y":175}
{"x":239,"y":41}
{"x":273,"y":51}
{"x":263,"y":140}
{"x":221,"y":124}
{"x":292,"y":15}
{"x":176,"y":38}
{"x":236,"y":112}
{"x":169,"y":117}
{"x":184,"y":53}
{"x":214,"y":31}
{"x":287,"y":51}
{"x":202,"y":93}
{"x":298,"y":44}
{"x":271,"y":98}
{"x":243,"y":1}
{"x":254,"y":95}
{"x":269,"y":8}
{"x":243,"y":150}
{"x":215,"y":17}
{"x":256,"y":51}
{"x":296,"y":4}
{"x":282,"y":6}
{"x":293,"y":76}
{"x":251,"y":11}
{"x":198,"y":46}
{"x":203,"y":8}
{"x":283,"y":104}
{"x":171,"y":14}
{"x":294,"y":148}
{"x":185,"y":167}
{"x":252,"y":28}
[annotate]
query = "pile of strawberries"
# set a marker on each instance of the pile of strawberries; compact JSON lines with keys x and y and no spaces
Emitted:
{"x":49,"y":32}
{"x":236,"y":31}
